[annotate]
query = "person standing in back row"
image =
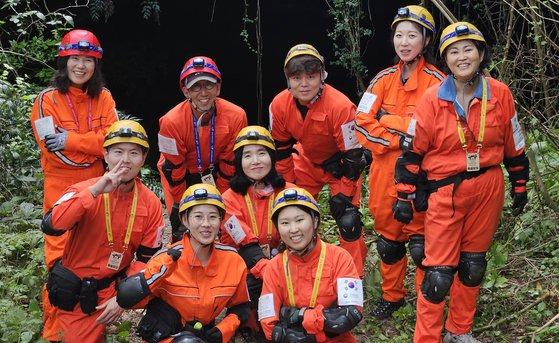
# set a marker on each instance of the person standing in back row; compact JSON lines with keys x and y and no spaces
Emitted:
{"x":69,"y":122}
{"x":382,"y":119}
{"x":462,"y":131}
{"x":197,"y":136}
{"x":313,"y":127}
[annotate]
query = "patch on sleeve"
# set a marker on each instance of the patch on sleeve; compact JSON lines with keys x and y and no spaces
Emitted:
{"x":44,"y":127}
{"x":64,"y":198}
{"x":517,"y":134}
{"x":350,"y":139}
{"x":167,"y":145}
{"x":411,"y":127}
{"x":366,"y":102}
{"x":234,"y":229}
{"x":266,"y":306}
{"x":350,"y":292}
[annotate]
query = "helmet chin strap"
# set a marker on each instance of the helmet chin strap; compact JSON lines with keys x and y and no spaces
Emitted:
{"x":416,"y":58}
{"x":471,"y":81}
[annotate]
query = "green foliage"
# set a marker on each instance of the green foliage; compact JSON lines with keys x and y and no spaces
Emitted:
{"x":347,"y":35}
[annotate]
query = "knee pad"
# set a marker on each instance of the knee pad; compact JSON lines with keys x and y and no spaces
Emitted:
{"x":471,"y":268}
{"x":417,"y":250}
{"x":390,"y":251}
{"x":350,"y":224}
{"x":436,"y":283}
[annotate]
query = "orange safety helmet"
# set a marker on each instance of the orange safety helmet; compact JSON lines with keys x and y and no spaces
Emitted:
{"x":80,"y":42}
{"x":199,"y":65}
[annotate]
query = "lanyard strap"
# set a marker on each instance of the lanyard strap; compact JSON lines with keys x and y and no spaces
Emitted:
{"x":483,"y":116}
{"x":314,"y":295}
{"x":197,"y":143}
{"x":253,"y":216}
{"x":73,"y":110}
{"x":108,"y":224}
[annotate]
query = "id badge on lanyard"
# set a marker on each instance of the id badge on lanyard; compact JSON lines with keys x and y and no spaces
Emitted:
{"x":209,"y":178}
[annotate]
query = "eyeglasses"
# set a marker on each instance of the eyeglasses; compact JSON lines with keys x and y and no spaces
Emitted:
{"x":198,"y":218}
{"x":198,"y":87}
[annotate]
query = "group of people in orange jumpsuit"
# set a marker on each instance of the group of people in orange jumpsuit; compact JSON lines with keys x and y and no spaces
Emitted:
{"x":241,"y":200}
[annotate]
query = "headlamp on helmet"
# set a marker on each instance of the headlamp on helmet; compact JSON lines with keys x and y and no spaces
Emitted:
{"x":294,"y":196}
{"x":200,"y":194}
{"x":126,"y":131}
{"x":457,"y":32}
{"x":254,"y":135}
{"x":416,"y":14}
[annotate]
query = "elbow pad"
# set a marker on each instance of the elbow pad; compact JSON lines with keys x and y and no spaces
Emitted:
{"x":167,"y":168}
{"x":47,"y":228}
{"x":131,"y":290}
{"x":251,"y":254}
{"x":341,"y":319}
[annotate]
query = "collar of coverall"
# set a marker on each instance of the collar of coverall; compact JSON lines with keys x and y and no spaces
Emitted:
{"x":447,"y":90}
{"x":210,"y":269}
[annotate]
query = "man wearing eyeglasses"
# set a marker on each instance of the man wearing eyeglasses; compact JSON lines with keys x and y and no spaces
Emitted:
{"x":197,"y":136}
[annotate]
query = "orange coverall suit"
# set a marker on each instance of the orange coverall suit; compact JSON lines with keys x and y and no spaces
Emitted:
{"x":319,"y":135}
{"x":238,"y":230}
{"x":383,"y":139}
{"x":87,"y":249}
{"x":337,"y":264}
{"x":463,"y":219}
{"x":80,"y":160}
{"x":177,"y":145}
{"x":200,"y":293}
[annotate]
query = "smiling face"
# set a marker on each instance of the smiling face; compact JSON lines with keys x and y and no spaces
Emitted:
{"x":203,"y":221}
{"x":304,"y":86}
{"x":203,"y":94}
{"x":80,"y":69}
{"x":408,"y":40}
{"x":256,"y":161}
{"x":296,"y":227}
{"x":132,"y":156}
{"x":463,"y":59}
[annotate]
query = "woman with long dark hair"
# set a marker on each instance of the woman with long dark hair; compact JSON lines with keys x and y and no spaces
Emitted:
{"x":248,"y":223}
{"x":70,"y":120}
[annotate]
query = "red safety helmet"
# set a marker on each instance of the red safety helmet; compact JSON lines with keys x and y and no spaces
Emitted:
{"x":198,"y":65}
{"x":80,"y":42}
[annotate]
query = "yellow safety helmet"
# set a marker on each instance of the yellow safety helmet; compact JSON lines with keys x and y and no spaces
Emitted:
{"x":416,"y":14}
{"x":459,"y":31}
{"x":254,"y":135}
{"x":302,"y":49}
{"x":201,"y":194}
{"x":126,"y":131}
{"x":294,"y":196}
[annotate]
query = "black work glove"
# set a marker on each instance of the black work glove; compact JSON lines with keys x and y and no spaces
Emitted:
{"x":174,"y":253}
{"x":519,"y":200}
{"x":402,"y":211}
{"x":334,"y":165}
{"x":254,"y":286}
{"x":195,"y":327}
{"x":291,"y":316}
{"x":213,"y":335}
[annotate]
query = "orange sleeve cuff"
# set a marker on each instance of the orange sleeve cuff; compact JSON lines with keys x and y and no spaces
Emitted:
{"x":258,"y":270}
{"x":313,"y":323}
{"x":228,"y":326}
